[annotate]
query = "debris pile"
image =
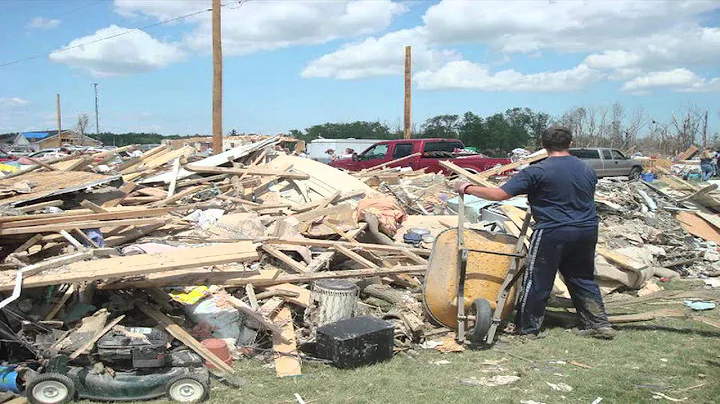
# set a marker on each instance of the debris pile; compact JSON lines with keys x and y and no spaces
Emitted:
{"x":178,"y":263}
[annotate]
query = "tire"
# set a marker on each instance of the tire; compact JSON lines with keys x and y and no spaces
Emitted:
{"x":187,"y":389}
{"x":50,"y":388}
{"x":635,"y":173}
{"x":483,"y":319}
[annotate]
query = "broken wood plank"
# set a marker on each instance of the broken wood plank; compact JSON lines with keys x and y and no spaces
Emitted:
{"x":366,"y":246}
{"x":93,"y":207}
{"x":383,"y":165}
{"x":115,"y":215}
{"x":284,"y":258}
{"x":173,"y":181}
{"x":138,"y":264}
{"x":87,"y":239}
{"x":302,"y":297}
{"x":467,"y":174}
{"x":180,"y":195}
{"x":31,"y":242}
{"x":89,"y":344}
{"x":126,"y":189}
{"x":311,"y":277}
{"x":250,"y":293}
{"x":248,"y":171}
{"x":90,"y":224}
{"x":38,"y":206}
{"x":355,"y":256}
{"x":508,"y":167}
{"x":287,"y":359}
{"x":620,"y":259}
{"x":60,"y":303}
{"x":258,"y":316}
{"x":182,"y":335}
{"x":698,"y":227}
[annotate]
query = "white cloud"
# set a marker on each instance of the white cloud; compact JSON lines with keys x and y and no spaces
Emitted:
{"x":131,"y":53}
{"x":682,"y":80}
{"x":43,"y":23}
{"x":620,"y":40}
{"x":467,"y":75}
{"x":379,"y":56}
{"x":12,"y":102}
{"x":266,"y":25}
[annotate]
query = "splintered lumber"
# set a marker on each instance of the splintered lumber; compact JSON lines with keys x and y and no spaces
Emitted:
{"x":190,"y":277}
{"x":355,"y":256}
{"x":176,"y":331}
{"x":620,"y":259}
{"x":698,"y":226}
{"x":285,"y":259}
{"x":287,"y":359}
{"x":88,"y":224}
{"x":180,"y":195}
{"x":365,"y":246}
{"x":702,"y":191}
{"x":316,"y":213}
{"x":467,"y":174}
{"x":311,"y":277}
{"x":302,"y":297}
{"x":60,"y":303}
{"x":126,"y":189}
{"x":507,"y":167}
{"x":89,"y":344}
{"x":52,"y":184}
{"x":135,"y":265}
{"x":126,"y":214}
{"x":38,"y":206}
{"x":93,"y":207}
{"x":689,"y":152}
{"x":247,"y":171}
{"x":173,"y":181}
{"x":31,"y":242}
{"x":258,"y":316}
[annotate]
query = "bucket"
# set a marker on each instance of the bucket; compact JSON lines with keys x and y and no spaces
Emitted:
{"x":647,"y":177}
{"x":220,"y":348}
{"x":8,"y":379}
{"x":335,"y":300}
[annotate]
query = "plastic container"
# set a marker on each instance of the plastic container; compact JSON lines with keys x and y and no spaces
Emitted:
{"x":647,"y":177}
{"x":359,"y":341}
{"x":8,"y":379}
{"x":220,"y":348}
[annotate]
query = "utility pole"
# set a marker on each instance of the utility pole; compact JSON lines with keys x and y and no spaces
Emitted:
{"x":705,"y":127}
{"x":407,"y":133}
{"x":57,"y":107}
{"x":97,"y":120}
{"x":217,"y":79}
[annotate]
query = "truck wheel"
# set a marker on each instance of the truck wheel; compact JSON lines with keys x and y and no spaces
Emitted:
{"x":483,"y":319}
{"x":187,"y":389}
{"x":51,"y":388}
{"x":635,"y":173}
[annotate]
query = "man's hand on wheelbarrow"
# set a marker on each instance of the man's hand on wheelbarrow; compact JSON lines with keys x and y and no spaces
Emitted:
{"x":461,"y":186}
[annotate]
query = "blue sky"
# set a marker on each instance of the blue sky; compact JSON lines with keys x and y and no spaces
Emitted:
{"x":292,"y":64}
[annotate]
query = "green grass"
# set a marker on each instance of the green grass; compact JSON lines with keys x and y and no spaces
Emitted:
{"x":661,"y":356}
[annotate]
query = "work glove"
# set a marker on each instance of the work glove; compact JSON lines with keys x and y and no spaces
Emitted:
{"x":461,"y":186}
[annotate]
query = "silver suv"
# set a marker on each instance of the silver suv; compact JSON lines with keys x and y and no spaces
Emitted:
{"x":608,"y":162}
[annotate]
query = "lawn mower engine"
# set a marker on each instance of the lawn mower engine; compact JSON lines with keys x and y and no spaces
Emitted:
{"x":142,"y":369}
{"x":134,"y":348}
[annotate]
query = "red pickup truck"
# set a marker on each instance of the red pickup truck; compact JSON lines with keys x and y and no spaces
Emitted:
{"x":432,"y":152}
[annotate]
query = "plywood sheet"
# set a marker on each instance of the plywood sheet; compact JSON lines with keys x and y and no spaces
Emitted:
{"x":53,"y":183}
{"x":698,"y":227}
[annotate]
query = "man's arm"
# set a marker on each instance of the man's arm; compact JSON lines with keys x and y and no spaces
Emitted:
{"x":488,"y":193}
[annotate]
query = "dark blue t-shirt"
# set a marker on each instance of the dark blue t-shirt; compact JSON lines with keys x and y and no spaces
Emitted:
{"x":560,"y":190}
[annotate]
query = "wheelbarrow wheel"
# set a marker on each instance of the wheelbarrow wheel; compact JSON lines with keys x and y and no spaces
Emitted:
{"x":483,"y":319}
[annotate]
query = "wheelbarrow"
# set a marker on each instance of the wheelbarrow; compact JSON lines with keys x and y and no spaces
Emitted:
{"x":470,"y":281}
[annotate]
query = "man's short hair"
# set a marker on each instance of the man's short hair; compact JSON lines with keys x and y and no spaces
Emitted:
{"x":556,"y":138}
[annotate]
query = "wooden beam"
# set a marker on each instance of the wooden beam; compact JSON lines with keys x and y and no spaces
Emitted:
{"x":90,"y":224}
{"x":89,"y":344}
{"x":176,"y":331}
{"x":287,"y":359}
{"x":311,"y":277}
{"x":179,"y":196}
{"x":366,"y":246}
{"x":265,"y":322}
{"x":284,"y":258}
{"x":467,"y":174}
{"x":507,"y":167}
{"x":95,"y":208}
{"x":38,"y":206}
{"x":173,"y":181}
{"x":383,"y":165}
{"x":355,"y":256}
{"x":31,"y":242}
{"x":116,"y":215}
{"x":248,"y":171}
{"x":126,"y":189}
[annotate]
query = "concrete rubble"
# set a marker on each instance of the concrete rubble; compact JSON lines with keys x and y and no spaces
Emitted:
{"x":240,"y":247}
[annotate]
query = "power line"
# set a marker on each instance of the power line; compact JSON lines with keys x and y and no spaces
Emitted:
{"x":241,"y":2}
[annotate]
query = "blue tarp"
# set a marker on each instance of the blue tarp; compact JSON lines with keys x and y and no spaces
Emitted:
{"x":35,"y":135}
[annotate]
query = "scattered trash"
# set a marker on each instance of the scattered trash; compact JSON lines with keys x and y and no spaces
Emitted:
{"x":658,"y":396}
{"x":560,"y":387}
{"x":699,"y":306}
{"x":493,"y":381}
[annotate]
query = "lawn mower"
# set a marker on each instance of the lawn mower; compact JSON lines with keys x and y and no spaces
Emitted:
{"x":470,"y":282}
{"x":142,"y":369}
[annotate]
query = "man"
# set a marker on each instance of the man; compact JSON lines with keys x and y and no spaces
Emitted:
{"x":560,"y":192}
